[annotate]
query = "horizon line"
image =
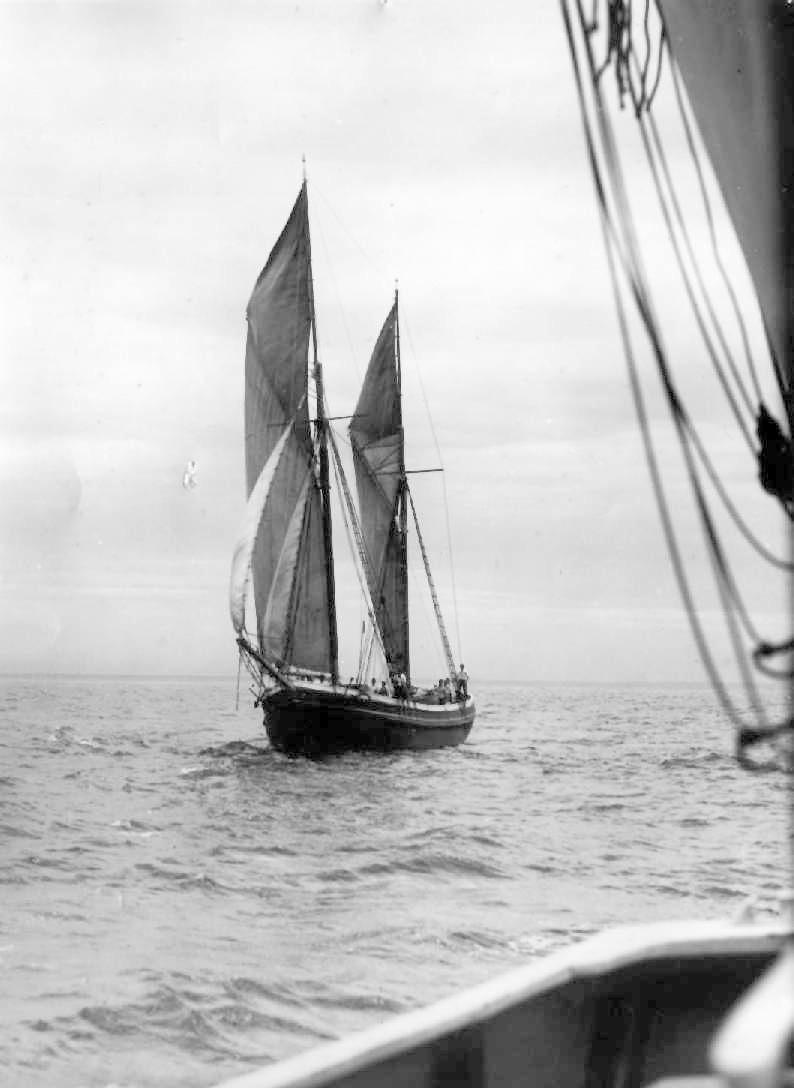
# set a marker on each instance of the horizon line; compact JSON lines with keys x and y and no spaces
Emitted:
{"x":232,"y":678}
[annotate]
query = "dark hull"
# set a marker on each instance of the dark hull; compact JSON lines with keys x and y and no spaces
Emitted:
{"x":312,"y":721}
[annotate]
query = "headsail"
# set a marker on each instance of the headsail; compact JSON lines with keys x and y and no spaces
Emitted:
{"x":376,"y":434}
{"x":276,"y":386}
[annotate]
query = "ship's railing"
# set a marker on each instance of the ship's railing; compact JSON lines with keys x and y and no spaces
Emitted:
{"x":630,"y":1006}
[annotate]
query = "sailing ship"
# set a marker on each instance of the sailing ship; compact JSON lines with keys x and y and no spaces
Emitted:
{"x":286,"y":544}
{"x":689,"y":1004}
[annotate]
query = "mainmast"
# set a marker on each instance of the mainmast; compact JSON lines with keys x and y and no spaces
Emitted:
{"x":402,"y":495}
{"x":321,"y":433}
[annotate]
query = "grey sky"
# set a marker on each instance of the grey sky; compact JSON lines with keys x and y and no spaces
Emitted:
{"x":150,"y":155}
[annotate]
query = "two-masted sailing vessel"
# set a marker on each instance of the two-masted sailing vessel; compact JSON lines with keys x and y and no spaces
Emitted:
{"x":286,"y":544}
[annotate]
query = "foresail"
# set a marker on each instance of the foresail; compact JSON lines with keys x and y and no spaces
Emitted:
{"x":732,"y":56}
{"x":290,"y":620}
{"x":377,"y":440}
{"x":276,"y":381}
{"x":244,"y":549}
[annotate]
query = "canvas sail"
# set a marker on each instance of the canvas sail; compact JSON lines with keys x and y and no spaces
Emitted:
{"x":376,"y":436}
{"x":244,"y":549}
{"x":732,"y":56}
{"x":276,"y":387}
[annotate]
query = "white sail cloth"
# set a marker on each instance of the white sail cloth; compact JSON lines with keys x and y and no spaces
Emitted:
{"x":244,"y":549}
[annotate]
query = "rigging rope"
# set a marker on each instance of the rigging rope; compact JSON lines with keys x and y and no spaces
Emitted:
{"x":699,"y":320}
{"x":458,"y":640}
{"x":353,"y":530}
{"x":624,"y":247}
{"x":386,"y":623}
{"x":338,"y":299}
{"x":693,"y":153}
{"x":436,"y":606}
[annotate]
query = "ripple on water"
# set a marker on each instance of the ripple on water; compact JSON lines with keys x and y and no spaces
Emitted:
{"x":180,"y":900}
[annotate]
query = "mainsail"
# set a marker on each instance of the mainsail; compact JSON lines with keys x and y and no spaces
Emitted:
{"x":289,"y":558}
{"x":376,"y":435}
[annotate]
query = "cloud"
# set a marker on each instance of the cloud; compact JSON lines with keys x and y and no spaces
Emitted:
{"x":149,"y":157}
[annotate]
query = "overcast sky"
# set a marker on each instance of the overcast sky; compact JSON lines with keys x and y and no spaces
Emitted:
{"x":149,"y":156}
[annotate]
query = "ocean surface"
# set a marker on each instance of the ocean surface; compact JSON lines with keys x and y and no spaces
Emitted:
{"x":180,"y":903}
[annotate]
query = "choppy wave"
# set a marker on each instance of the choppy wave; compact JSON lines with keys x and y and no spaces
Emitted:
{"x":182,"y":903}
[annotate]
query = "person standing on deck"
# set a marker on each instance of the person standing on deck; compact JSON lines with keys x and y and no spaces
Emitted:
{"x":462,"y":682}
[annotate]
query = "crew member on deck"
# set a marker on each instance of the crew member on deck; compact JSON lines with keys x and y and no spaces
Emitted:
{"x":462,"y":683}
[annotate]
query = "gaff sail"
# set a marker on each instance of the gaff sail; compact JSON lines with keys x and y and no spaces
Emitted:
{"x":376,"y":435}
{"x":276,"y":386}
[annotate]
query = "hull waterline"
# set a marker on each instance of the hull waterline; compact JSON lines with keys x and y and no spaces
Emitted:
{"x":313,"y":721}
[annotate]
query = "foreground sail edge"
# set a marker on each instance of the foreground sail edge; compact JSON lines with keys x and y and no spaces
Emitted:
{"x":735,"y":84}
{"x":288,"y":547}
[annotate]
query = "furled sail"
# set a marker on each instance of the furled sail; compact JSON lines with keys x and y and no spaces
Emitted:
{"x":732,"y":55}
{"x":276,"y":380}
{"x":376,"y":436}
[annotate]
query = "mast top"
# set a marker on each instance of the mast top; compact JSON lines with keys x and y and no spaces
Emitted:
{"x":303,"y":167}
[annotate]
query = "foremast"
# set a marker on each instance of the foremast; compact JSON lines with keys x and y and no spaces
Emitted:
{"x":402,"y":496}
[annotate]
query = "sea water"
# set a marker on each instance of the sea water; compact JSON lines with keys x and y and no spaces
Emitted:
{"x":181,"y":903}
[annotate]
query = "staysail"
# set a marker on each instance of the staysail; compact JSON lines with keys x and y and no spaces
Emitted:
{"x":740,"y":87}
{"x":376,"y":435}
{"x":288,"y":556}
